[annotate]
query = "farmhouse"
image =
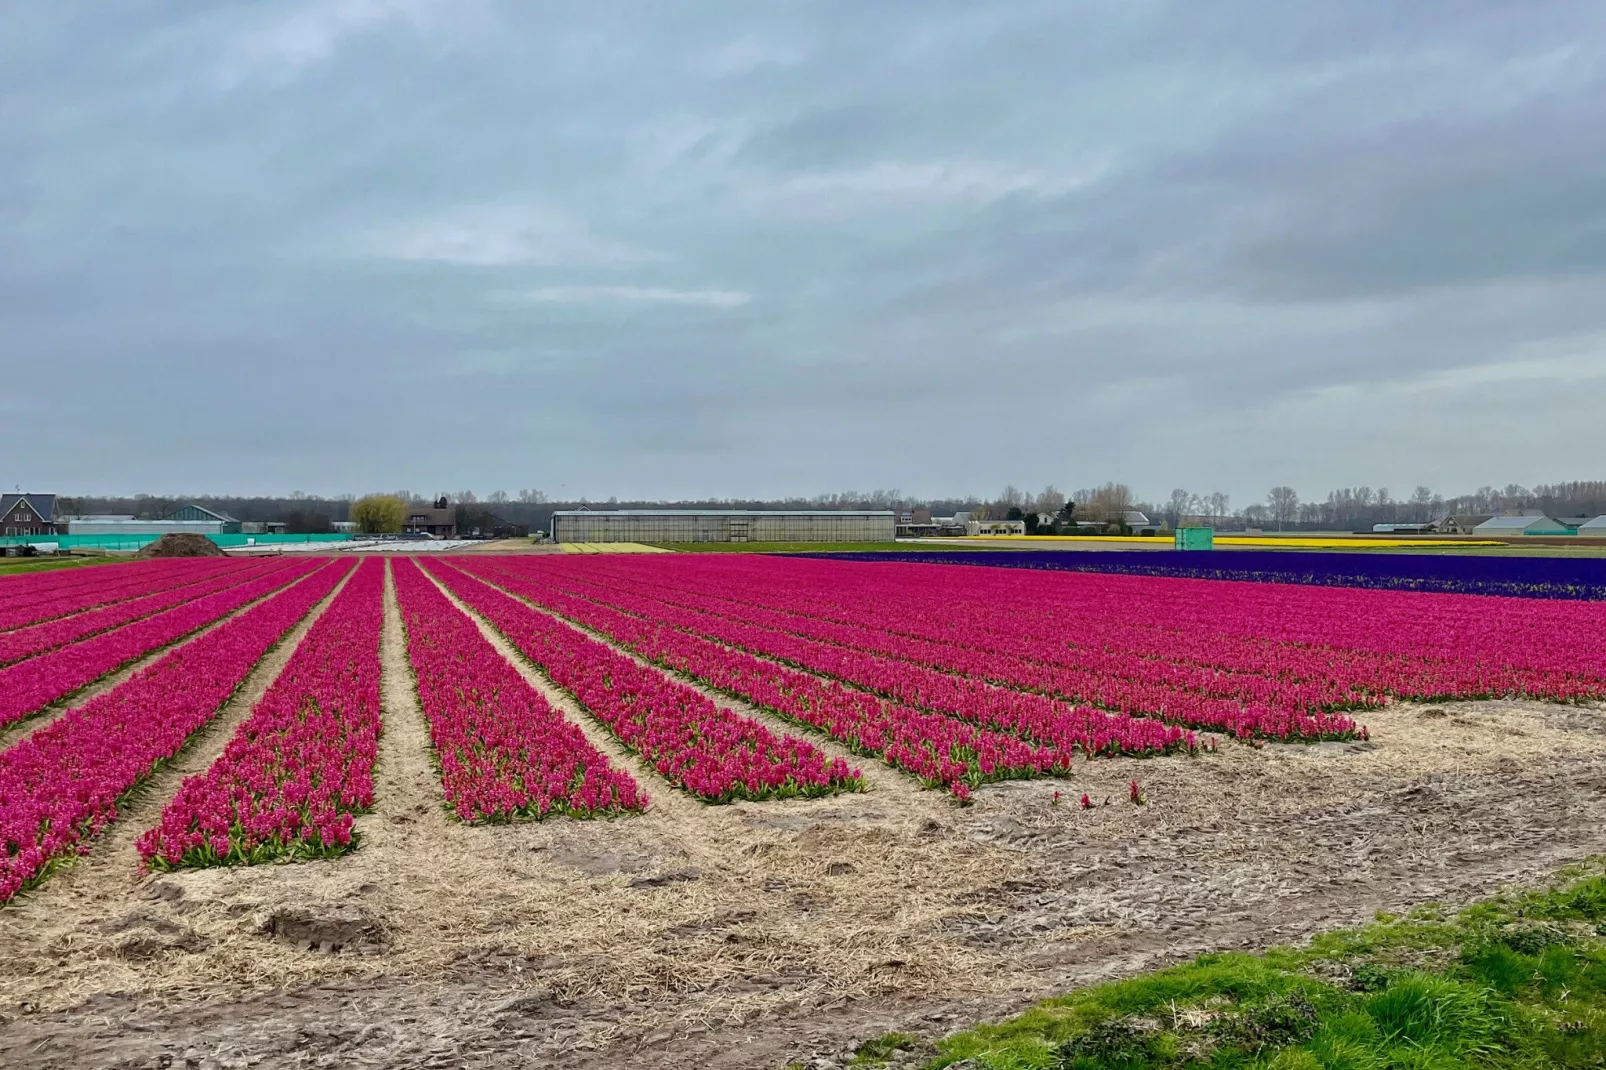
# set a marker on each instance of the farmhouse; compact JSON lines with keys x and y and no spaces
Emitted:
{"x":28,"y":514}
{"x":438,"y":521}
{"x":1463,"y":523}
{"x":722,"y":525}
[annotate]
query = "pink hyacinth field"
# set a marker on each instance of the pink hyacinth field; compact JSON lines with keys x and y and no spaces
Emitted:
{"x":598,"y":810}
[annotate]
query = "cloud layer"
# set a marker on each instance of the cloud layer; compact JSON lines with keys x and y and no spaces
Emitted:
{"x":605,"y":248}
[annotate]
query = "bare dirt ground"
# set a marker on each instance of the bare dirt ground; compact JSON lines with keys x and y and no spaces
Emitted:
{"x":750,"y":935}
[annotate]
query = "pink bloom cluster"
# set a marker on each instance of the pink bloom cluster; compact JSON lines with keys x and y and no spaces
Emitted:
{"x":29,"y":686}
{"x":60,"y":786}
{"x":298,"y":769}
{"x":1031,"y":716}
{"x":1254,"y":659}
{"x":48,"y":595}
{"x":1010,"y":691}
{"x":708,"y":750}
{"x":503,"y":751}
{"x":940,"y":751}
{"x":36,"y":639}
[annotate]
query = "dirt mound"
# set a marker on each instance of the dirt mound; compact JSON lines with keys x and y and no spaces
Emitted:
{"x":175,"y":544}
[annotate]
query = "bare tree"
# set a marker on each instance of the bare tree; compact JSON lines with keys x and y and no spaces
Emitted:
{"x":497,"y":497}
{"x":1219,"y":504}
{"x":1178,"y":507}
{"x":1422,"y":504}
{"x":1284,"y":503}
{"x":1108,"y":503}
{"x":1051,"y":501}
{"x":532,"y":497}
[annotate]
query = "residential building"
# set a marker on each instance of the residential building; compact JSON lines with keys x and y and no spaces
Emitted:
{"x":28,"y":514}
{"x":438,"y":521}
{"x":1462,"y":523}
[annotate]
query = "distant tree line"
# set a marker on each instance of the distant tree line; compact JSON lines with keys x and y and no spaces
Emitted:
{"x":1107,"y":505}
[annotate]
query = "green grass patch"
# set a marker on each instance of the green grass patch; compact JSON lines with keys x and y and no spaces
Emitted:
{"x":877,"y":1050}
{"x":16,"y":566}
{"x":1516,"y":982}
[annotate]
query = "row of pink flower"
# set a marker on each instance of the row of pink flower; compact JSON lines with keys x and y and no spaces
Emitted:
{"x":59,"y":595}
{"x":1413,"y":644}
{"x":1008,"y":693}
{"x":290,"y":781}
{"x":29,"y":686}
{"x":708,"y":750}
{"x":1033,"y":717}
{"x":39,"y":638}
{"x":939,"y":751}
{"x":1351,"y":678}
{"x":1209,"y":623}
{"x":31,"y":589}
{"x":61,"y":785}
{"x":1072,"y":665}
{"x":502,"y":750}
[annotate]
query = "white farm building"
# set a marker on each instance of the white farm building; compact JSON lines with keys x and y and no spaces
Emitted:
{"x":722,"y":525}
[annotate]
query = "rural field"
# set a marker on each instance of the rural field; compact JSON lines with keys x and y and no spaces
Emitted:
{"x":668,"y":810}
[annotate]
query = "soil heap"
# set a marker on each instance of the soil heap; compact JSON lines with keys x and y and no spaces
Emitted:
{"x":175,"y":544}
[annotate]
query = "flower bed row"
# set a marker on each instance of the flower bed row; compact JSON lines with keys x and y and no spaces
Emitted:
{"x":707,"y":750}
{"x":60,"y":786}
{"x":1367,"y":643}
{"x":38,"y":638}
{"x":29,"y":686}
{"x":1032,"y":717}
{"x":58,"y":594}
{"x":1006,"y":692}
{"x":298,"y":770}
{"x":1515,"y":645}
{"x":939,"y":751}
{"x":502,"y":750}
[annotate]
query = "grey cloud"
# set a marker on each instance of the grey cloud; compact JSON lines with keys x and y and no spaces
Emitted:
{"x":712,"y":250}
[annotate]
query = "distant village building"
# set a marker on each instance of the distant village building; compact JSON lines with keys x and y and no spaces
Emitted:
{"x":995,"y":527}
{"x":185,"y":520}
{"x":199,"y":514}
{"x":1140,"y":523}
{"x":724,"y":525}
{"x":438,"y":521}
{"x":1522,"y":525}
{"x":28,"y":514}
{"x":1462,"y":523}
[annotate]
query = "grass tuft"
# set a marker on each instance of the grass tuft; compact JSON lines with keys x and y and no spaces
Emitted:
{"x":1515,"y":982}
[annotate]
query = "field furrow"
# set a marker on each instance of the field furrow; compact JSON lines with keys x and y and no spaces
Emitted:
{"x":29,"y":686}
{"x":40,"y":638}
{"x":62,"y":785}
{"x":705,"y":749}
{"x":298,"y":770}
{"x":939,"y":751}
{"x":502,"y":751}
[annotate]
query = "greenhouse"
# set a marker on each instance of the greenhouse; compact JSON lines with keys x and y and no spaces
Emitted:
{"x":721,"y":525}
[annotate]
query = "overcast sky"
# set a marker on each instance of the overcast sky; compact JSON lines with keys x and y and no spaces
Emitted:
{"x":698,"y":248}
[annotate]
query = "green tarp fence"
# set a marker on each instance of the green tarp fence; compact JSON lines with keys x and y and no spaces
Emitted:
{"x":135,"y":542}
